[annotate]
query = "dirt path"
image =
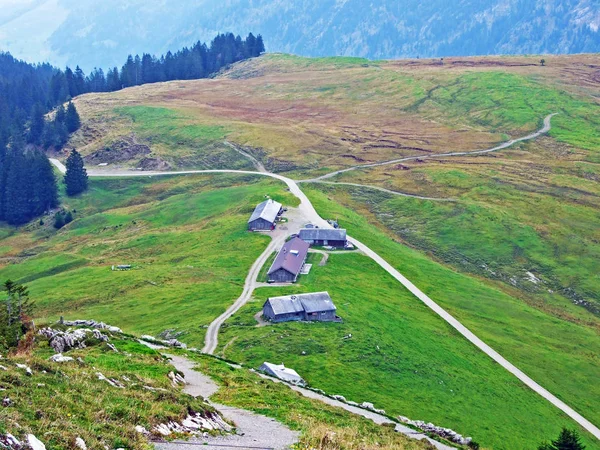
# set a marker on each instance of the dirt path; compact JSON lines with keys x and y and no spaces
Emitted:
{"x":259,"y":166}
{"x":307,"y":211}
{"x":377,"y":188}
{"x":547,"y":126}
{"x":253,"y":431}
{"x":255,"y":427}
{"x":211,"y":339}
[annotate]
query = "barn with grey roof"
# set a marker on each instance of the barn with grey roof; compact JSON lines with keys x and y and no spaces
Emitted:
{"x":316,"y":306}
{"x":265,"y":215}
{"x":332,"y":237}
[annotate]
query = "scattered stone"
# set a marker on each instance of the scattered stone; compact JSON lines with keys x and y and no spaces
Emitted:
{"x":153,"y":389}
{"x":166,"y":343}
{"x":112,"y":347}
{"x":195,"y":424}
{"x":340,"y":398}
{"x":35,"y":443}
{"x":113,"y":382}
{"x":60,"y":358}
{"x":6,"y":402}
{"x":445,"y":433}
{"x":80,"y":443}
{"x":9,"y":441}
{"x":62,"y":341}
{"x":27,"y":370}
{"x":141,"y":429}
{"x":92,"y":324}
{"x":3,"y":368}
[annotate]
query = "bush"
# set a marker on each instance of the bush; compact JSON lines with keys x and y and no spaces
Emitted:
{"x":59,"y":220}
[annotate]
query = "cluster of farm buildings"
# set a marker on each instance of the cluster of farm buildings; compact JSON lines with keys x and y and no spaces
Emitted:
{"x":289,"y":263}
{"x":287,"y":267}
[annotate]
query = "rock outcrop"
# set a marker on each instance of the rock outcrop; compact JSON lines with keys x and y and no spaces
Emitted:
{"x":195,"y":423}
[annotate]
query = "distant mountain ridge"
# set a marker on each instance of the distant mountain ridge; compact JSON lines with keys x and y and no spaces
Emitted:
{"x":102,"y":34}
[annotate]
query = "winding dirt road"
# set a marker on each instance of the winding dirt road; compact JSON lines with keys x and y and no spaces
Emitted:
{"x":212,"y":333}
{"x":545,"y":128}
{"x":308,"y":211}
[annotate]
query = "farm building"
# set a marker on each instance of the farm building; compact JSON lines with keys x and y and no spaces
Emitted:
{"x":289,"y":262}
{"x":317,"y":306}
{"x":265,"y":215}
{"x":282,"y":372}
{"x":335,"y":237}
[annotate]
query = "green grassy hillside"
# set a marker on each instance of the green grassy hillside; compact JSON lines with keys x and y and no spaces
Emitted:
{"x":531,"y":208}
{"x":185,"y":238}
{"x":60,"y":402}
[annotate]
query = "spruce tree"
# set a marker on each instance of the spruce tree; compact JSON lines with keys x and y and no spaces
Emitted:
{"x":17,"y":195}
{"x":76,"y":177}
{"x":72,"y":120}
{"x":260,"y":45}
{"x":44,"y":187}
{"x":567,"y":440}
{"x":36,"y":127}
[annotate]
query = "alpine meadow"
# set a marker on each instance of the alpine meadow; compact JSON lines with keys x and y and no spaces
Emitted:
{"x":250,"y":249}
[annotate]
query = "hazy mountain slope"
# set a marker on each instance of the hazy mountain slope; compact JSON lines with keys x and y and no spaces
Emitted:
{"x":103,"y":33}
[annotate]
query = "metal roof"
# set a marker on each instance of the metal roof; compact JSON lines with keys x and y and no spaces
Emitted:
{"x":322,"y":234}
{"x":316,"y":302}
{"x":285,"y":305}
{"x":281,"y":372}
{"x":291,"y":256}
{"x":267,"y":210}
{"x":311,"y":303}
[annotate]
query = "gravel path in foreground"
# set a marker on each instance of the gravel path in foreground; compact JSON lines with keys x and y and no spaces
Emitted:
{"x":253,"y":431}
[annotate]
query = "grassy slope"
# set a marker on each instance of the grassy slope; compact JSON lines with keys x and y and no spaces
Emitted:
{"x":185,"y":238}
{"x":321,"y":426}
{"x":298,"y":109}
{"x":562,"y":356}
{"x":68,"y":401}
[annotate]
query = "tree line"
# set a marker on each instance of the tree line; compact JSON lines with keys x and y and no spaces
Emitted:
{"x":198,"y":61}
{"x":29,"y":91}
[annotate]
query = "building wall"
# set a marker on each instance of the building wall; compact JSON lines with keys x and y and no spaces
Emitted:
{"x":291,"y":317}
{"x":325,"y":316}
{"x":268,"y":312}
{"x":281,"y":276}
{"x":260,"y":224}
{"x":322,"y":243}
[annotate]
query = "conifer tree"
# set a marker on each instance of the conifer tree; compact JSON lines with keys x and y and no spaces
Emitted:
{"x":59,"y":220}
{"x":36,"y":127}
{"x":76,"y":177}
{"x":72,"y":121}
{"x":17,"y":201}
{"x":567,"y":440}
{"x":260,"y":45}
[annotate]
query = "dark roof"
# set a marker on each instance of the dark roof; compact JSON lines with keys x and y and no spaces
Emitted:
{"x":267,"y":210}
{"x":323,"y":234}
{"x":311,"y":303}
{"x":291,"y":256}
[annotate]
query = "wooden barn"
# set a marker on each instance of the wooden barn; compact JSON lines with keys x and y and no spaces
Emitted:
{"x":265,"y":215}
{"x":289,"y":262}
{"x":316,"y":306}
{"x":332,"y":237}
